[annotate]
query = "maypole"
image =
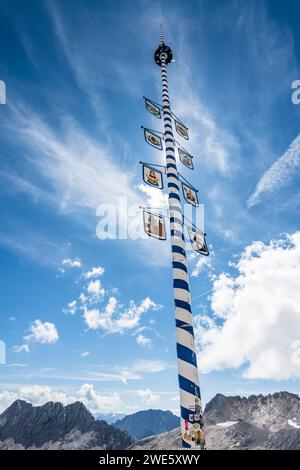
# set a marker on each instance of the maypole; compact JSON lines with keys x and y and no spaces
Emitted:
{"x":192,"y":430}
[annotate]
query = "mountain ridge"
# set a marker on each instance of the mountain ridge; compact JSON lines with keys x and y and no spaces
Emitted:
{"x":258,"y":422}
{"x":231,"y":422}
{"x":269,"y":410}
{"x":35,"y":426}
{"x":148,"y":422}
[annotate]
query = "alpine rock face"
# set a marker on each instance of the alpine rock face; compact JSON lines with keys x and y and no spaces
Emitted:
{"x":146,"y":423}
{"x":266,"y":411}
{"x":257,"y":422}
{"x":55,"y":426}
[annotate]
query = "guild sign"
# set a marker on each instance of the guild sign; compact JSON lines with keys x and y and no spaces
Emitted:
{"x":185,"y":158}
{"x":152,"y":176}
{"x":190,"y":195}
{"x":181,"y":130}
{"x":153,"y":139}
{"x":152,"y":108}
{"x":198,"y":241}
{"x":154,"y":225}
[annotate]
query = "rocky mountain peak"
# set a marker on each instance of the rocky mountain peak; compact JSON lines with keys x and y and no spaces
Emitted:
{"x":16,"y":411}
{"x":266,"y":410}
{"x":18,"y":406}
{"x":34,"y":426}
{"x":257,"y":422}
{"x":148,"y":422}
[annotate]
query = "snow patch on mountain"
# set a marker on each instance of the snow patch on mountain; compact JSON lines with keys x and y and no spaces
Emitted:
{"x":227,"y":424}
{"x":293,"y":424}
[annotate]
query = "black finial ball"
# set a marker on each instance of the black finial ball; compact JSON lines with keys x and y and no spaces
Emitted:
{"x":160,"y":50}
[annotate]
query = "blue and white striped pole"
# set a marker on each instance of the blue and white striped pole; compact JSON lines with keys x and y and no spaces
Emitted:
{"x":190,"y":401}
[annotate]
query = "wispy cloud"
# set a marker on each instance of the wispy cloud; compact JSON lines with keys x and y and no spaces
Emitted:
{"x":217,"y":145}
{"x":78,"y":171}
{"x":99,"y":372}
{"x":279,"y":174}
{"x":87,"y":60}
{"x":29,"y":244}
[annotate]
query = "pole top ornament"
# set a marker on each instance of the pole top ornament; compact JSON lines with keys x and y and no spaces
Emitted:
{"x":163,"y":49}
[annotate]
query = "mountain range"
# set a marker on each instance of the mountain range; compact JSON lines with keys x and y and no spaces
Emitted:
{"x":54,"y":426}
{"x":257,"y":422}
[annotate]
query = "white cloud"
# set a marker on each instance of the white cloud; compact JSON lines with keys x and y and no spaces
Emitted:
{"x":143,"y":341}
{"x":155,"y":198}
{"x":95,"y":290}
{"x":44,"y":333}
{"x":97,"y":402}
{"x":35,"y":394}
{"x":107,"y":320}
{"x":257,"y":314}
{"x":103,"y":320}
{"x":149,"y":366}
{"x":147,"y":396}
{"x":223,"y":288}
{"x":202,"y":263}
{"x":279,"y":174}
{"x":85,"y":354}
{"x":21,"y":348}
{"x":38,"y":395}
{"x":41,"y":394}
{"x":83,"y":298}
{"x":94,"y":272}
{"x":6,"y":399}
{"x":71,"y":263}
{"x":72,"y":307}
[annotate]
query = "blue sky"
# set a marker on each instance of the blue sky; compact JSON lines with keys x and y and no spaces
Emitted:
{"x":75,"y":73}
